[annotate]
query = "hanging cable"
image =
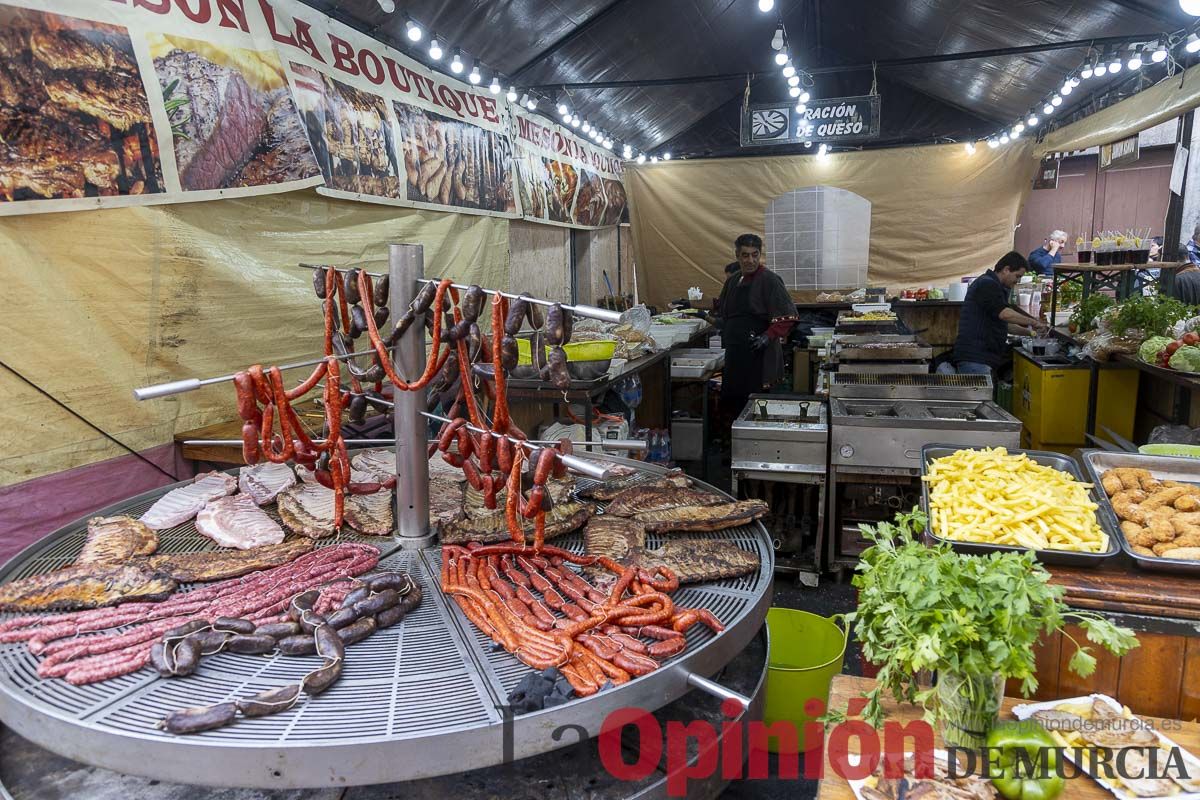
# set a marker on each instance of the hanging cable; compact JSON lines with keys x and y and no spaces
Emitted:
{"x":88,"y":422}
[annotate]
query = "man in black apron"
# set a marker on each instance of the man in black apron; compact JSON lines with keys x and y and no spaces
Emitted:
{"x":755,"y":314}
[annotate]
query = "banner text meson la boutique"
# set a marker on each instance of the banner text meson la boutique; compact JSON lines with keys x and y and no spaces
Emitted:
{"x":341,"y":55}
{"x":557,"y":142}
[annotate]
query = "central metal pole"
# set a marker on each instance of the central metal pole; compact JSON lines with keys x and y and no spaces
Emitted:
{"x":406,"y":263}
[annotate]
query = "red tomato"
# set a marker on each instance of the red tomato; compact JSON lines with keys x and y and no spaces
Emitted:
{"x":1191,"y":338}
{"x":1172,"y":347}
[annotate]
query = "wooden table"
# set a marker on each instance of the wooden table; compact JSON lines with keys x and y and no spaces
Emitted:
{"x":227,"y":454}
{"x":845,"y":687}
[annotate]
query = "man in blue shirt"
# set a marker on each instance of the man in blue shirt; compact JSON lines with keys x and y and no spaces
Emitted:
{"x":1192,"y":247}
{"x":1045,"y":257}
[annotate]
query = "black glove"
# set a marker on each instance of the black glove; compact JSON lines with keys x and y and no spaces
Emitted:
{"x":759,"y":342}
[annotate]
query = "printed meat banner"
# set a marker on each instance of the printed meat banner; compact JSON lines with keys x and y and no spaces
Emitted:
{"x":386,"y":129}
{"x":564,"y":179}
{"x":129,"y":102}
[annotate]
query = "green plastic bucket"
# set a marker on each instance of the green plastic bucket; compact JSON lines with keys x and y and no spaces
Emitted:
{"x":806,"y":652}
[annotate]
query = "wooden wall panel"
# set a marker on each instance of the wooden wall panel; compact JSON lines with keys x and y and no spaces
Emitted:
{"x":1189,"y":693}
{"x":539,"y":260}
{"x":1136,"y":196}
{"x":1108,"y":668}
{"x":1151,"y":675}
{"x":1069,"y":207}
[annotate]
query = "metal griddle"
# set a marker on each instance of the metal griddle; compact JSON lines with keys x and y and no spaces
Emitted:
{"x":926,"y":386}
{"x":421,"y":699}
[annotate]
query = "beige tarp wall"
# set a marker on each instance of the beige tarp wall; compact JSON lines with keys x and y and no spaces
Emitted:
{"x":937,"y":213}
{"x":1166,"y":100}
{"x":100,"y":302}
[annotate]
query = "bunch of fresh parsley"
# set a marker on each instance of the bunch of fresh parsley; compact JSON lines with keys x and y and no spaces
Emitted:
{"x":929,"y":608}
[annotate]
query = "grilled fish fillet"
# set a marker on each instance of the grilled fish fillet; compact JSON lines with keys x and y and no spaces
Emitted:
{"x":646,"y":499}
{"x":264,"y":482}
{"x":238,"y":522}
{"x":623,"y":477}
{"x":703,"y":518}
{"x":179,"y":505}
{"x":85,"y":586}
{"x":193,"y":567}
{"x":113,"y":540}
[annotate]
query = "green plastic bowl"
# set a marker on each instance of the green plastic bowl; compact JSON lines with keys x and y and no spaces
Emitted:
{"x":1178,"y":450}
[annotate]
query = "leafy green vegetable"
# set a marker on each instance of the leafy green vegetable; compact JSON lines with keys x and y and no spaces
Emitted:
{"x":1186,"y":359}
{"x":176,"y":109}
{"x":1153,"y":316}
{"x":1084,"y":317}
{"x":928,"y":608}
{"x":1150,"y":348}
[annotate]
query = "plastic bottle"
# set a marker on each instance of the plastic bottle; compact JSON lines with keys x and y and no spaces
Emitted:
{"x":666,"y":447}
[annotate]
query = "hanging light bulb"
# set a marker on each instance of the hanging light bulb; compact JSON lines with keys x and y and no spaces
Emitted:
{"x":627,"y":151}
{"x":823,"y":150}
{"x":666,"y":156}
{"x":970,"y":148}
{"x":586,"y":126}
{"x":608,"y":144}
{"x":1135,"y":61}
{"x":788,"y":69}
{"x":531,"y":104}
{"x":794,"y":80}
{"x":765,"y":5}
{"x":435,"y":49}
{"x":777,"y":39}
{"x":1056,"y":101}
{"x":992,"y":143}
{"x":1116,"y":65}
{"x":801,"y":108}
{"x":1190,"y":7}
{"x":494,"y":86}
{"x":566,"y":118}
{"x":1073,"y":81}
{"x":575,"y":121}
{"x":641,"y":159}
{"x":1047,"y":109}
{"x":805,"y":97}
{"x":1015,"y":134}
{"x":413,"y":30}
{"x":781,"y":57}
{"x":1032,"y":121}
{"x":1193,"y":43}
{"x":475,"y":77}
{"x":808,"y":144}
{"x":1066,"y":89}
{"x":1018,"y":128}
{"x":1160,"y":54}
{"x":456,"y":65}
{"x":1004,"y":138}
{"x":794,"y":91}
{"x":1089,"y":69}
{"x":563,"y":110}
{"x":1100,"y":69}
{"x":512,"y":94}
{"x":653,"y":159}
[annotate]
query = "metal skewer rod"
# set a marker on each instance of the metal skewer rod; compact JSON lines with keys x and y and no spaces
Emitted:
{"x":570,"y":462}
{"x":609,"y":444}
{"x":602,"y":314}
{"x":338,"y":269}
{"x":191,"y":384}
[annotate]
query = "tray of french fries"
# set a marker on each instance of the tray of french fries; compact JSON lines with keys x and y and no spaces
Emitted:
{"x":1153,"y":503}
{"x":984,"y":500}
{"x":1083,"y":724}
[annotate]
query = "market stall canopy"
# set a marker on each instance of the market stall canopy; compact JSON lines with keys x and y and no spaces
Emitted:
{"x":551,"y":43}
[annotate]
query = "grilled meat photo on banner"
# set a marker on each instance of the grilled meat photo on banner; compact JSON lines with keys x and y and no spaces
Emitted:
{"x":350,"y":134}
{"x":74,"y":117}
{"x":453,"y":163}
{"x":233,"y":122}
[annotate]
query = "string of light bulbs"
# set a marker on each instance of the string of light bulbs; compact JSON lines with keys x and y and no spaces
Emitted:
{"x":526,"y":98}
{"x":1097,"y":64}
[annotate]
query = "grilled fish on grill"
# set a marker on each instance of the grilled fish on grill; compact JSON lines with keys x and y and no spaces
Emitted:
{"x":112,"y":540}
{"x":66,"y":49}
{"x":692,"y":560}
{"x":85,"y":586}
{"x":193,"y":567}
{"x":179,"y":505}
{"x":703,"y":518}
{"x":114,"y":97}
{"x":623,"y":477}
{"x":643,"y":499}
{"x":263,"y":482}
{"x":237,"y":521}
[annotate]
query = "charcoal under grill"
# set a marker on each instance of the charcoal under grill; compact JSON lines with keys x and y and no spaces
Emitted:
{"x":421,"y":699}
{"x":845,"y":384}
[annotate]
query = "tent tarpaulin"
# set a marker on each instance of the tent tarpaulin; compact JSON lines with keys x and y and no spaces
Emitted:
{"x":113,"y":299}
{"x":937,"y":213}
{"x":1167,"y":99}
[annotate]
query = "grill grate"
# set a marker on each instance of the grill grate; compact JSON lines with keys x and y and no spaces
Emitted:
{"x":432,"y":675}
{"x":961,"y":381}
{"x":920,"y":386}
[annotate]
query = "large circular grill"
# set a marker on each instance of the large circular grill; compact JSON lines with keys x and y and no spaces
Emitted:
{"x":421,"y":699}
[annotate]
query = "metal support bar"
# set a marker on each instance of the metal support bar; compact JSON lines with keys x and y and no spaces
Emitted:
{"x":406,"y":264}
{"x":570,"y":462}
{"x":606,"y":444}
{"x":602,"y":314}
{"x":716,"y":690}
{"x":191,"y":384}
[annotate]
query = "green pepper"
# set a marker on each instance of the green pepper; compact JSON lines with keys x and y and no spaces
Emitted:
{"x":1011,"y":772}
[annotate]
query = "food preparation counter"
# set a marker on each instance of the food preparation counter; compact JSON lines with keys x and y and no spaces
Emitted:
{"x":845,"y":687}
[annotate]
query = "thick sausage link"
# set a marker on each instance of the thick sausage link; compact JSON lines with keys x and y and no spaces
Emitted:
{"x":250,"y":645}
{"x":319,"y":275}
{"x":424,"y":298}
{"x":269,"y":702}
{"x":350,"y":285}
{"x":358,"y":321}
{"x":321,"y":679}
{"x":516,"y":317}
{"x":472,"y":303}
{"x":381,"y":292}
{"x":557,"y":367}
{"x":233,"y":625}
{"x":360,"y":630}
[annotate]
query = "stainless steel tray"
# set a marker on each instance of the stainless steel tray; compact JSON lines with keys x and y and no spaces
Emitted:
{"x":1167,"y":468}
{"x":1062,"y":557}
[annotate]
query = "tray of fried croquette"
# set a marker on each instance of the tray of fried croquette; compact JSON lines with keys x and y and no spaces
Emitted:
{"x":1154,"y":502}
